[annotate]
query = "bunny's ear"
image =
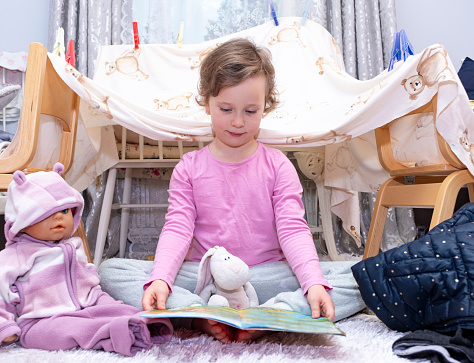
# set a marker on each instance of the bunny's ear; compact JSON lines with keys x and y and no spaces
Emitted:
{"x":204,"y":272}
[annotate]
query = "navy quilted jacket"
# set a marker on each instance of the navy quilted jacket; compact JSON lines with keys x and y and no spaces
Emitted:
{"x":427,"y":283}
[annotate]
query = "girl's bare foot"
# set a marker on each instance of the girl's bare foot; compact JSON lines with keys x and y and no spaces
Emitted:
{"x":246,"y":336}
{"x":222,"y":332}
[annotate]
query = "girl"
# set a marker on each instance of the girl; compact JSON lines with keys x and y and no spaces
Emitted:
{"x":236,"y":193}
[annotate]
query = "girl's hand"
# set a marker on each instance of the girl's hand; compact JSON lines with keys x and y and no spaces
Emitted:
{"x":10,"y":339}
{"x":320,"y":302}
{"x":155,"y":296}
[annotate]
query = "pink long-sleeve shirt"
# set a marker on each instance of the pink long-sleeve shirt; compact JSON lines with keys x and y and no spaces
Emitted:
{"x":252,"y":208}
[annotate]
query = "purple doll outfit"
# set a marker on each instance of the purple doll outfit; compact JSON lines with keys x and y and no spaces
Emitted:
{"x":49,"y":294}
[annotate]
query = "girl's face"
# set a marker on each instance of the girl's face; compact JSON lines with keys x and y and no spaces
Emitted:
{"x":53,"y":228}
{"x":236,"y":113}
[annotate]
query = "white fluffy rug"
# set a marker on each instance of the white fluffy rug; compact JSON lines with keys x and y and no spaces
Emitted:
{"x":367,"y":340}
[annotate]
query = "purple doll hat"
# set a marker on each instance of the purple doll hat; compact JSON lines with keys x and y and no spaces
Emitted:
{"x":34,"y":197}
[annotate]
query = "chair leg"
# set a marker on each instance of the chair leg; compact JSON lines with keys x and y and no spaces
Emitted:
{"x":105,"y":216}
{"x":125,"y":212}
{"x":470,"y":189}
{"x":81,"y":233}
{"x":439,"y":193}
{"x":448,"y":193}
{"x":394,"y":192}
{"x":377,"y":224}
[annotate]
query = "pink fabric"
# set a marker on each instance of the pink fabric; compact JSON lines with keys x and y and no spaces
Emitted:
{"x":14,"y":61}
{"x":253,"y":209}
{"x":51,"y":298}
{"x":15,"y":65}
{"x":109,"y":325}
{"x":49,"y":294}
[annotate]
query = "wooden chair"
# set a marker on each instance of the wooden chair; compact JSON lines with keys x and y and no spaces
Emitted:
{"x":432,"y":186}
{"x":45,"y":93}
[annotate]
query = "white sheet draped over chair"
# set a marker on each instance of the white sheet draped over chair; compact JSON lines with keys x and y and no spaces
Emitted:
{"x":152,"y":92}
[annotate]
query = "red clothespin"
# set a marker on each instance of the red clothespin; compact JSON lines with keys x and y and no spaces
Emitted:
{"x":135,"y":35}
{"x":70,"y":54}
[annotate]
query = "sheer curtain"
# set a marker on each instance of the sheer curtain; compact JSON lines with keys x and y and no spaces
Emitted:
{"x":363,"y":29}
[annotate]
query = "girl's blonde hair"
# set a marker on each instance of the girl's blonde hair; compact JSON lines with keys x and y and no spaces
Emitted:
{"x":233,"y":62}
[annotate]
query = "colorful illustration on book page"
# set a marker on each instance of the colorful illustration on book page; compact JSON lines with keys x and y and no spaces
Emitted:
{"x":257,"y":318}
{"x":286,"y":320}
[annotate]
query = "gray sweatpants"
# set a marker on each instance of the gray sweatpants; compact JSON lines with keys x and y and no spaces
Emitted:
{"x":123,"y":279}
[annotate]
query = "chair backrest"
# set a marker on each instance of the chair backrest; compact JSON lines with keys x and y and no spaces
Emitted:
{"x":396,"y":169}
{"x":45,"y":93}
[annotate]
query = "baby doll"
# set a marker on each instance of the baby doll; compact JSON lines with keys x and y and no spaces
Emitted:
{"x":50,"y":296}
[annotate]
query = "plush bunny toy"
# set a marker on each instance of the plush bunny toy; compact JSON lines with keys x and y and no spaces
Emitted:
{"x":223,"y":280}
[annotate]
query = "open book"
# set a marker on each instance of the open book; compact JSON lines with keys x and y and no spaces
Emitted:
{"x":256,"y":318}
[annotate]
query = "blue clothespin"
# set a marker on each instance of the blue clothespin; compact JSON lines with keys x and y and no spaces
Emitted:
{"x":401,"y":48}
{"x":394,"y":55}
{"x":273,"y":12}
{"x":305,"y":13}
{"x":405,"y":46}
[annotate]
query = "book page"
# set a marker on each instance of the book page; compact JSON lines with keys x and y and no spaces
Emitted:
{"x":285,"y":320}
{"x":257,"y":318}
{"x":222,"y":314}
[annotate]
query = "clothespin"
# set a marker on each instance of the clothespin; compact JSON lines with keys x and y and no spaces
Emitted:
{"x":59,"y":43}
{"x":179,"y":41}
{"x":401,"y":48}
{"x":405,"y":45}
{"x":136,"y":39}
{"x":305,"y":13}
{"x":70,"y":54}
{"x":395,"y":54}
{"x":273,"y":12}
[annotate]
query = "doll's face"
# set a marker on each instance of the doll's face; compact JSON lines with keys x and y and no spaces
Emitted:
{"x":54,"y":228}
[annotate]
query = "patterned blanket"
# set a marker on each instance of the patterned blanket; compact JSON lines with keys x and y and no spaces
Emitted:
{"x":151,"y":91}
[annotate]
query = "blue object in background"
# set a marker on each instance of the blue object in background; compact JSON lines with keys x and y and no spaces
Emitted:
{"x":401,"y":48}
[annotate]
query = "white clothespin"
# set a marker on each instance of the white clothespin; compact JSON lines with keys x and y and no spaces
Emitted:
{"x":59,"y":48}
{"x":179,"y":41}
